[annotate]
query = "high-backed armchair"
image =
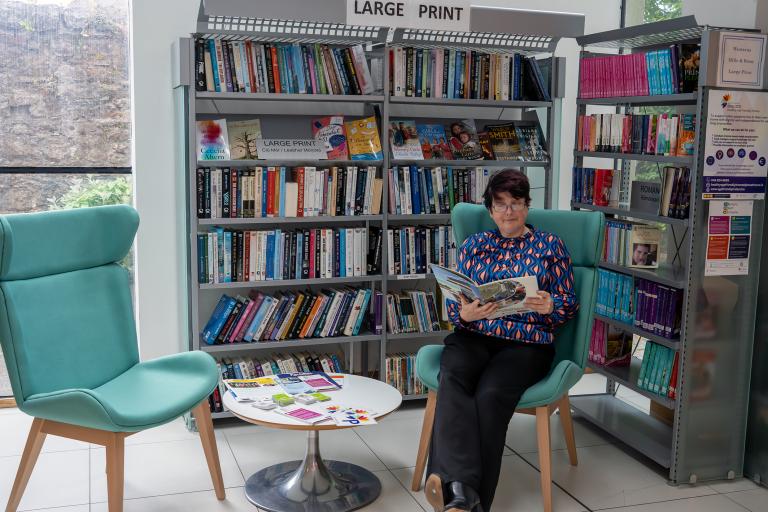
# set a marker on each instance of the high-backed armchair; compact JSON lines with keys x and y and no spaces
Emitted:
{"x":582,"y":233}
{"x":69,"y":340}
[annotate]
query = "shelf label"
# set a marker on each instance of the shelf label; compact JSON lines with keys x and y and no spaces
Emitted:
{"x":742,"y":59}
{"x":421,"y":14}
{"x":736,"y":145}
{"x":290,"y":149}
{"x":729,"y":233}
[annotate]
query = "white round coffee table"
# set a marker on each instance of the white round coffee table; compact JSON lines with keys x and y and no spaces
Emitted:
{"x":311,"y":484}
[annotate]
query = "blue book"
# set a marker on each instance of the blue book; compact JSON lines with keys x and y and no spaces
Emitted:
{"x":244,"y":67}
{"x":202,"y":254}
{"x":419,"y":56}
{"x":342,"y":253}
{"x":298,"y":66}
{"x":258,"y":318}
{"x":282,"y":192}
{"x":270,"y":255}
{"x":363,"y":312}
{"x":457,"y":72}
{"x":238,"y":373}
{"x":285,"y":86}
{"x":451,"y":72}
{"x":299,"y":254}
{"x":413,"y":170}
{"x":214,"y":65}
{"x":216,"y":322}
{"x":403,"y":253}
{"x":278,"y":254}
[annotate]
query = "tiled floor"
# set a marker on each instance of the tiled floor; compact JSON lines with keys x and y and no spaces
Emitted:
{"x":165,"y":469}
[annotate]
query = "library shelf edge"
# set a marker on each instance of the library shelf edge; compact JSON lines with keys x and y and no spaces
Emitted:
{"x":670,"y":276}
{"x":644,"y":433}
{"x":669,"y":343}
{"x":334,"y":98}
{"x":461,"y":102}
{"x":627,"y":377}
{"x":472,"y":163}
{"x":685,"y":161}
{"x":287,"y":163}
{"x":420,"y":218}
{"x":414,"y":397}
{"x":290,"y":282}
{"x":661,"y":100}
{"x":623,"y":212}
{"x":272,"y":221}
{"x":306,"y":342}
{"x":413,"y":336}
{"x":410,"y":277}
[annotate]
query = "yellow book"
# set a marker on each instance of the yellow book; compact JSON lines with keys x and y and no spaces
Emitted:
{"x":363,"y":139}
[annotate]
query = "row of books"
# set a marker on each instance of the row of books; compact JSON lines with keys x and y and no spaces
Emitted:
{"x":225,"y":255}
{"x":670,"y":70}
{"x":287,"y":316}
{"x":223,"y":139}
{"x":658,"y":308}
{"x":400,"y":373}
{"x":609,"y":346}
{"x":415,"y":190}
{"x":646,"y":134}
{"x":287,"y":192}
{"x":469,"y":74}
{"x":413,"y":248}
{"x":518,"y":140}
{"x":631,"y":244}
{"x":659,"y":369}
{"x":615,"y":296}
{"x":675,"y":192}
{"x":599,"y":187}
{"x":412,"y":311}
{"x":247,"y":66}
{"x":277,"y":363}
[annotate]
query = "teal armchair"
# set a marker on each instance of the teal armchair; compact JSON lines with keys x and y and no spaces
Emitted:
{"x":69,"y":339}
{"x":582,"y":233}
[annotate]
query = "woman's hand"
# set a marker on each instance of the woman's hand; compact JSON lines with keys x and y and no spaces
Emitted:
{"x":473,"y":311}
{"x":542,"y":304}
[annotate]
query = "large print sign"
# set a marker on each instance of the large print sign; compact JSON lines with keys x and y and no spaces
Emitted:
{"x":424,"y":14}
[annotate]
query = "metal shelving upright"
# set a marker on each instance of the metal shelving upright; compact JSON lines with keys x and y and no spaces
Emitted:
{"x":706,"y":438}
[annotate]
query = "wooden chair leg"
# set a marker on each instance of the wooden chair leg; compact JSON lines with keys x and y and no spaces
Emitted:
{"x":426,"y":438}
{"x":115,"y":471}
{"x":32,"y":449}
{"x":545,"y":457}
{"x":567,"y":421}
{"x":202,"y":414}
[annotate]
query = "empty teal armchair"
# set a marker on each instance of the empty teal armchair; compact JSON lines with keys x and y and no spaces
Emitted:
{"x":69,"y":340}
{"x":582,"y":233}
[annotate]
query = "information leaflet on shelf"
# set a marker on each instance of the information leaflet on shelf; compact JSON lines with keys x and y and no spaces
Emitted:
{"x":291,"y":149}
{"x":729,"y":233}
{"x":742,"y":60}
{"x":736,"y":146}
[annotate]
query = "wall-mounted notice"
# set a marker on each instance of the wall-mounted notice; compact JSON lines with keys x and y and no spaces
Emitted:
{"x":422,"y":14}
{"x":290,"y":149}
{"x":742,"y":60}
{"x":729,"y":234}
{"x":736,"y":145}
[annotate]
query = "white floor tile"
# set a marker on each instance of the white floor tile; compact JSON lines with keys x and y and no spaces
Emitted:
{"x":413,"y":409}
{"x":394,"y":497}
{"x":188,"y":502}
{"x":736,"y":485}
{"x":270,"y":446}
{"x":9,"y":410}
{"x":519,"y":489}
{"x":394,"y":441}
{"x":589,"y":385}
{"x":755,"y":500}
{"x":715,"y":503}
{"x":607,"y":477}
{"x":176,"y":430}
{"x":59,"y":479}
{"x":521,"y":435}
{"x":76,"y":508}
{"x":164,"y":468}
{"x":14,"y":429}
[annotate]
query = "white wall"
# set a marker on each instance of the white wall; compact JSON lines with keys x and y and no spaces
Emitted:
{"x":734,"y":13}
{"x":155,"y":25}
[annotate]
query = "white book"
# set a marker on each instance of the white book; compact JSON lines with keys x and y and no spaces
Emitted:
{"x":317,"y":200}
{"x":356,"y":271}
{"x":505,"y":78}
{"x":257,"y":191}
{"x":412,"y":249}
{"x":331,"y":313}
{"x":390,"y":252}
{"x":330,"y":256}
{"x":441,"y":246}
{"x":369,"y":175}
{"x":429,"y":247}
{"x":210,"y":85}
{"x":264,"y":70}
{"x":407,"y":182}
{"x":280,"y":254}
{"x":215,"y":193}
{"x":238,"y":66}
{"x":220,"y":65}
{"x":362,"y":65}
{"x":391,"y":186}
{"x":356,"y":305}
{"x":398,"y":79}
{"x":349,"y":251}
{"x":291,"y":198}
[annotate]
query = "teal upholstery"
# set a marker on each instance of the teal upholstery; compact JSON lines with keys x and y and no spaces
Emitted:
{"x":67,"y":328}
{"x":582,"y":233}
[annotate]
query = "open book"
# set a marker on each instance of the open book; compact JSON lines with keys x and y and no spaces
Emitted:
{"x":509,"y":294}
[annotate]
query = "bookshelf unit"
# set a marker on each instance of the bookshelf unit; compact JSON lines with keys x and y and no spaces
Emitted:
{"x":706,"y":438}
{"x":284,"y":109}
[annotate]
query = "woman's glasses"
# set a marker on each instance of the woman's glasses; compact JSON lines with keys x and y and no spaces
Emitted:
{"x":502,"y":208}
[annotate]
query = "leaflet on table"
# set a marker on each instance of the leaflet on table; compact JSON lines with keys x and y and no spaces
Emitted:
{"x":306,"y":382}
{"x":350,"y":416}
{"x":244,"y":390}
{"x":509,"y":294}
{"x":303,"y":414}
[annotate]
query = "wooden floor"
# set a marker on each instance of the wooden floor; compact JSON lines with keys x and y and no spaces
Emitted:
{"x":7,"y":402}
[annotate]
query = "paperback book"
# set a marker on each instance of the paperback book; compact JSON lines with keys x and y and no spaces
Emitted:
{"x":330,"y":131}
{"x":212,"y":140}
{"x":434,"y":143}
{"x":242,"y":139}
{"x":509,"y":294}
{"x":404,"y":141}
{"x":505,"y":142}
{"x":644,"y":244}
{"x":463,"y":140}
{"x":363,"y":139}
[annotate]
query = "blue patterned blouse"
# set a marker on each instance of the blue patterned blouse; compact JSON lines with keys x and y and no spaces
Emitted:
{"x":488,"y":256}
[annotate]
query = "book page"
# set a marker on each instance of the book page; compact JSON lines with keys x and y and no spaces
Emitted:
{"x":509,"y":294}
{"x":454,"y":284}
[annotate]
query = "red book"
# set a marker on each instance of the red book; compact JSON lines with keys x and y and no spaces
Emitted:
{"x":271,"y":192}
{"x":672,"y":393}
{"x":300,"y":194}
{"x":312,"y":249}
{"x":275,"y":69}
{"x":602,"y":188}
{"x":392,"y":72}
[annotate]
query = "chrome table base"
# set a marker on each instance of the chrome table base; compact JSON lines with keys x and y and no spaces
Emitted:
{"x":312,"y":485}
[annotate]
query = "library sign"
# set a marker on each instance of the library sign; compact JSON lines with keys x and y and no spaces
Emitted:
{"x":290,"y":149}
{"x":444,"y":15}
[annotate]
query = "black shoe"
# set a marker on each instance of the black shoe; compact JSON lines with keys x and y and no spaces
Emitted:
{"x":463,"y":498}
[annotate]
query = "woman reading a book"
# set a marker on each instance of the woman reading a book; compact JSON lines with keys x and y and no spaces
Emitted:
{"x":487,"y":363}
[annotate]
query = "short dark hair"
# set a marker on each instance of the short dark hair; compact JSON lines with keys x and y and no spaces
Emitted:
{"x":512,"y":181}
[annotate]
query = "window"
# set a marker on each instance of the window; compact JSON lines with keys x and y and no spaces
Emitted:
{"x":65,"y":107}
{"x":647,"y":11}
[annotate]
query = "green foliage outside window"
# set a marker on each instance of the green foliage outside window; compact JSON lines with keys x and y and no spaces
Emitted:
{"x":658,"y":10}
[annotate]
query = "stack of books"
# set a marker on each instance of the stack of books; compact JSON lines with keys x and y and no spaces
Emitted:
{"x":615,"y":296}
{"x":287,"y":316}
{"x":639,"y":134}
{"x":226,"y":256}
{"x":400,"y":373}
{"x":413,"y":248}
{"x":468,"y":74}
{"x":658,"y":308}
{"x":416,"y":190}
{"x":609,"y":346}
{"x":247,"y":66}
{"x":670,"y":70}
{"x":412,"y":311}
{"x":287,"y":192}
{"x":658,"y":371}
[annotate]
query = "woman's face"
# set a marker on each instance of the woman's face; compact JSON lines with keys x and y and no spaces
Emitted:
{"x":511,"y":217}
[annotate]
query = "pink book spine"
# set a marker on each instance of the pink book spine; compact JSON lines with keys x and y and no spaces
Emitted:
{"x":589,"y":79}
{"x":312,"y":248}
{"x":626,"y":74}
{"x":643,"y":74}
{"x":237,"y":331}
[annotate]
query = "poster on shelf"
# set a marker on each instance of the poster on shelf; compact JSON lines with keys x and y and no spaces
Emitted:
{"x":291,"y":149}
{"x":729,"y":233}
{"x":736,"y":145}
{"x":741,"y":60}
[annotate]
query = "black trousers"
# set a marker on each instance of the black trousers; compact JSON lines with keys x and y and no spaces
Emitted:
{"x":481,"y":381}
